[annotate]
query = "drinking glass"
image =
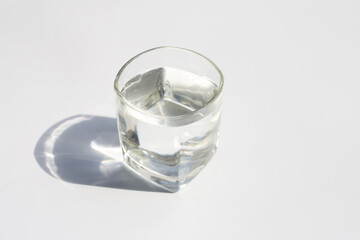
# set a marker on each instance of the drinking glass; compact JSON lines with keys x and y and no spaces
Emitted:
{"x":168,"y":114}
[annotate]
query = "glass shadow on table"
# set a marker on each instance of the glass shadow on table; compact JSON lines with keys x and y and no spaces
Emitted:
{"x":85,"y":149}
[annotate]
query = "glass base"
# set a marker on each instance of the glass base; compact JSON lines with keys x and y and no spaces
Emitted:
{"x":172,"y":184}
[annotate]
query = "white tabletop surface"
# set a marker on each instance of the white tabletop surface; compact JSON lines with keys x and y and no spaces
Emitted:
{"x":288,"y":165}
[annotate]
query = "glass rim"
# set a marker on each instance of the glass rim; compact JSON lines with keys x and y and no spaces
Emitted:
{"x":134,"y":108}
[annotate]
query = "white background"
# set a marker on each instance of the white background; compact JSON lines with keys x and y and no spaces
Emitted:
{"x":289,"y":158}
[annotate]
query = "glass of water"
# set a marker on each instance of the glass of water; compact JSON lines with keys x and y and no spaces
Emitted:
{"x":168,"y":112}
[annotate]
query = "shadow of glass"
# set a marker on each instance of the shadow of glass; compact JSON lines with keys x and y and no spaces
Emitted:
{"x":85,"y":149}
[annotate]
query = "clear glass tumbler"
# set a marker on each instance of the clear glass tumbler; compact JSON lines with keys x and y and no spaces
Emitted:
{"x":168,"y":111}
